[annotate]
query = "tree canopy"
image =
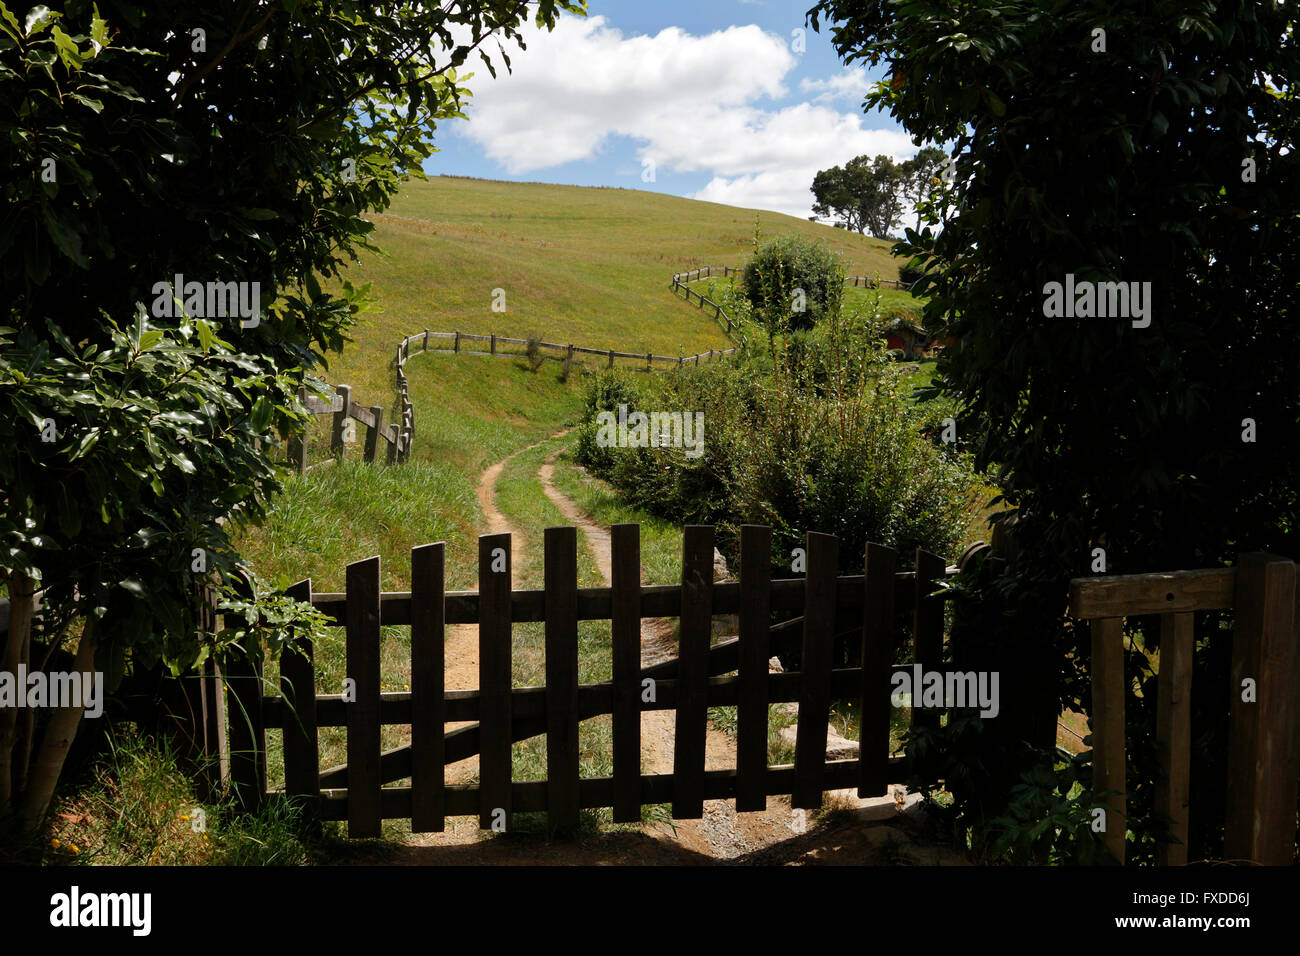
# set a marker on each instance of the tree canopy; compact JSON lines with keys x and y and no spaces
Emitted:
{"x":1150,"y":143}
{"x":237,"y":143}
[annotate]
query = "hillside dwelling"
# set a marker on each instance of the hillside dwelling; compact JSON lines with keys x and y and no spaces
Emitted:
{"x":908,"y":338}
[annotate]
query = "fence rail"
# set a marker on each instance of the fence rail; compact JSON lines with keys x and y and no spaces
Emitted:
{"x":733,"y":672}
{"x":343,"y":409}
{"x":1263,"y":731}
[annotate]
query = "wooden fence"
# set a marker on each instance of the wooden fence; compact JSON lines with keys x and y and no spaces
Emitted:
{"x":396,"y":438}
{"x":820,"y":607}
{"x":1263,"y":731}
{"x":681,"y":283}
{"x":496,"y":347}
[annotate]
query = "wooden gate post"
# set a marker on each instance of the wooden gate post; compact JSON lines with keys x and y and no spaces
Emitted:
{"x":1263,"y":761}
{"x":1108,"y":746}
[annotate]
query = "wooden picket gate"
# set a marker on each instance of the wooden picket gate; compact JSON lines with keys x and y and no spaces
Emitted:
{"x":817,"y":607}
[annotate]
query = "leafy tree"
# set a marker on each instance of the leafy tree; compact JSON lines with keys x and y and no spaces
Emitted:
{"x":1149,"y":143}
{"x":239,"y":141}
{"x":865,"y":194}
{"x":792,"y":281}
{"x":920,"y":175}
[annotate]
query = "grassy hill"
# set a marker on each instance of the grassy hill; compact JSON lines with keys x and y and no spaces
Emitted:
{"x":584,"y":265}
{"x":578,"y":264}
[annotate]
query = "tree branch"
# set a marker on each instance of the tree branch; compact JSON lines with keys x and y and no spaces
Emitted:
{"x":236,"y":39}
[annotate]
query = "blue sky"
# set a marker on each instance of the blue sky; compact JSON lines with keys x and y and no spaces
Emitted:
{"x":711,"y":99}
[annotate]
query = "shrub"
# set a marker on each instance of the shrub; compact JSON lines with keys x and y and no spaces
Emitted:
{"x":533,"y":350}
{"x":788,"y":263}
{"x":824,"y":440}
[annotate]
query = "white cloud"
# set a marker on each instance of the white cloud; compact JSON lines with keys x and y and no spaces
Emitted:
{"x":851,"y":84}
{"x":692,"y":103}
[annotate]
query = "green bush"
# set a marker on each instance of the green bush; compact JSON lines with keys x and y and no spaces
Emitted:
{"x":824,"y":440}
{"x":783,"y":265}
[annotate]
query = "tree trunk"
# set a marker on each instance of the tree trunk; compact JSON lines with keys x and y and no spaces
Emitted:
{"x":57,"y":740}
{"x":22,"y":600}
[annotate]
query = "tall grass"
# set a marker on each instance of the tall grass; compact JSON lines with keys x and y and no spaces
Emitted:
{"x":138,"y":807}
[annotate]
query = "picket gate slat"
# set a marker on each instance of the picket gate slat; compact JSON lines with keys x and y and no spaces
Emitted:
{"x":495,"y":658}
{"x":428,"y":667}
{"x":822,"y":552}
{"x":752,"y":711}
{"x":363,"y":638}
{"x":247,"y":732}
{"x":874,"y":704}
{"x":1174,"y":731}
{"x":927,"y":626}
{"x":693,"y":656}
{"x":298,"y":688}
{"x":560,"y":573}
{"x":625,"y":636}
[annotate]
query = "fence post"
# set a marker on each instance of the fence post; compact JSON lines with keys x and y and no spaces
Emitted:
{"x":426,"y":340}
{"x":396,"y":434}
{"x":457,"y":346}
{"x":372,"y":435}
{"x":569,"y":357}
{"x":647,"y":361}
{"x":336,"y":439}
{"x":611,"y":358}
{"x":1108,"y":749}
{"x":1262,"y":753}
{"x":298,"y":443}
{"x":494,"y":343}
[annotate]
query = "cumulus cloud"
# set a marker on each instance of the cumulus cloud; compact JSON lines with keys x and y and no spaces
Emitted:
{"x":851,"y":84}
{"x":691,"y":103}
